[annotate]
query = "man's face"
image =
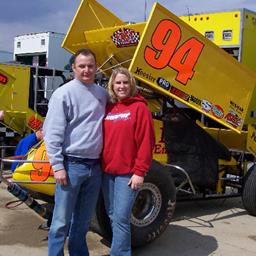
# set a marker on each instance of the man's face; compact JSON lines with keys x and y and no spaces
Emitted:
{"x":85,"y":69}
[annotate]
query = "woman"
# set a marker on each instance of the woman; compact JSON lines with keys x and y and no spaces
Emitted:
{"x":127,"y":154}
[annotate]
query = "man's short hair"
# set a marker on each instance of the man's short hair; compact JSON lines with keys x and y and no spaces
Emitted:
{"x":85,"y":52}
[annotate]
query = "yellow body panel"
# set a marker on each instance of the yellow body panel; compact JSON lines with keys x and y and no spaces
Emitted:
{"x":5,"y":79}
{"x":41,"y":173}
{"x":99,"y":33}
{"x":17,"y":114}
{"x":251,"y":139}
{"x":89,"y":16}
{"x":12,"y":96}
{"x":229,"y":138}
{"x":107,"y":45}
{"x":248,"y":53}
{"x":196,"y":71}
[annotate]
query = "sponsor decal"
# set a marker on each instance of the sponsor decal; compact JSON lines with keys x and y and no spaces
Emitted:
{"x":118,"y":116}
{"x":141,"y":72}
{"x":159,"y":149}
{"x":125,"y":37}
{"x":179,"y":93}
{"x":206,"y":106}
{"x":236,"y":107}
{"x":217,"y":111}
{"x":41,"y":171}
{"x":3,"y":79}
{"x":195,"y":100}
{"x":163,"y":83}
{"x":160,"y":145}
{"x":233,"y":119}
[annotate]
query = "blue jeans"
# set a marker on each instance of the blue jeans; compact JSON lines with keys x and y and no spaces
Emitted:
{"x":119,"y":199}
{"x":74,"y":207}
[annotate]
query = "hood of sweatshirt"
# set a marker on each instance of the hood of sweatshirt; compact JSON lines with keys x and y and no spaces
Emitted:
{"x":130,"y":100}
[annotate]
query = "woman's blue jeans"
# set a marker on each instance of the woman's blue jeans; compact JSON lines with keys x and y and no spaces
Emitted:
{"x":119,"y":199}
{"x":74,"y":207}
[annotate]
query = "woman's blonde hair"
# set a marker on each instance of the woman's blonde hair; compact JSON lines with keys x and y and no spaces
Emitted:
{"x":131,"y":79}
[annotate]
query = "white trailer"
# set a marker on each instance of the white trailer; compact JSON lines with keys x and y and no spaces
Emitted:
{"x":43,"y":49}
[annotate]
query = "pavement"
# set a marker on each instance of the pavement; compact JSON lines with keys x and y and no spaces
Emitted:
{"x":215,"y":227}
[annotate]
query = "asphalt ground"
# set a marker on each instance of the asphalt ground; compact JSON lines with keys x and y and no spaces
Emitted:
{"x":215,"y":227}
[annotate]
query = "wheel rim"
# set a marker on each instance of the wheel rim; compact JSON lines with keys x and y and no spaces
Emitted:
{"x":147,"y":205}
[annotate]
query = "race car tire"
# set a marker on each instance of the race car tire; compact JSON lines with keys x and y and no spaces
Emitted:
{"x":153,"y":208}
{"x":103,"y":221}
{"x":249,"y":191}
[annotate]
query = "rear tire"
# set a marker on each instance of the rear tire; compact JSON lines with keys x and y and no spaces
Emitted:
{"x":152,"y":210}
{"x":249,"y":191}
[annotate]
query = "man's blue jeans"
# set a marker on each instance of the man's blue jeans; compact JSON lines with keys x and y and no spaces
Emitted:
{"x":74,"y":207}
{"x":119,"y":199}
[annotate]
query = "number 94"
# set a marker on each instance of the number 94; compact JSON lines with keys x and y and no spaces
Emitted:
{"x":165,"y":51}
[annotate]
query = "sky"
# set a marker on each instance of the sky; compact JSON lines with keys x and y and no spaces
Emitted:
{"x":20,"y":17}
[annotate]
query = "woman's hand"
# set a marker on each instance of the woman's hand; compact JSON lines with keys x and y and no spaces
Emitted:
{"x":61,"y":177}
{"x":136,"y":182}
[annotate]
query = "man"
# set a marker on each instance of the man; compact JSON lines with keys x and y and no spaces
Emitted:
{"x":26,"y":144}
{"x":73,"y":139}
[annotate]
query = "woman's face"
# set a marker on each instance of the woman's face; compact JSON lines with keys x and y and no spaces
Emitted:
{"x":122,"y":87}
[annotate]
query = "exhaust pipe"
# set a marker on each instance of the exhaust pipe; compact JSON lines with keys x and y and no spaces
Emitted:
{"x":24,"y":196}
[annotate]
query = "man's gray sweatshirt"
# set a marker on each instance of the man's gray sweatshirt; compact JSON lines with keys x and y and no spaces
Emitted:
{"x":73,"y":124}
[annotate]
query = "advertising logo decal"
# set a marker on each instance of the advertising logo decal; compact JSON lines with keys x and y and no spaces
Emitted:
{"x":125,"y":37}
{"x":233,"y":119}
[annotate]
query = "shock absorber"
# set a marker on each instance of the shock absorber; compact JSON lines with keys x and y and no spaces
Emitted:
{"x":24,"y":196}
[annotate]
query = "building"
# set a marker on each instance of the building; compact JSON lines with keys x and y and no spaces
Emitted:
{"x":43,"y":49}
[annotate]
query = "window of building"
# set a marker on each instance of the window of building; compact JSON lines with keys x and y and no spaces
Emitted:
{"x":42,"y":41}
{"x":233,"y":51}
{"x":209,"y":35}
{"x":18,"y":44}
{"x":227,"y":35}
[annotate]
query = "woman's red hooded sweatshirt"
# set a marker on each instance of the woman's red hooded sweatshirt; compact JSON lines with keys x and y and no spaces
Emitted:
{"x":128,"y":137}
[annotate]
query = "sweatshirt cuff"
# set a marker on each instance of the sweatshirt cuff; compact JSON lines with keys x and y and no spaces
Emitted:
{"x":58,"y":167}
{"x":140,"y":173}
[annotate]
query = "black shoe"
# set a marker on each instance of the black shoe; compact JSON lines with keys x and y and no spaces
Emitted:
{"x":44,"y":226}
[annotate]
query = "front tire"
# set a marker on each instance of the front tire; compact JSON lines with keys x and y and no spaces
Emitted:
{"x":153,"y":208}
